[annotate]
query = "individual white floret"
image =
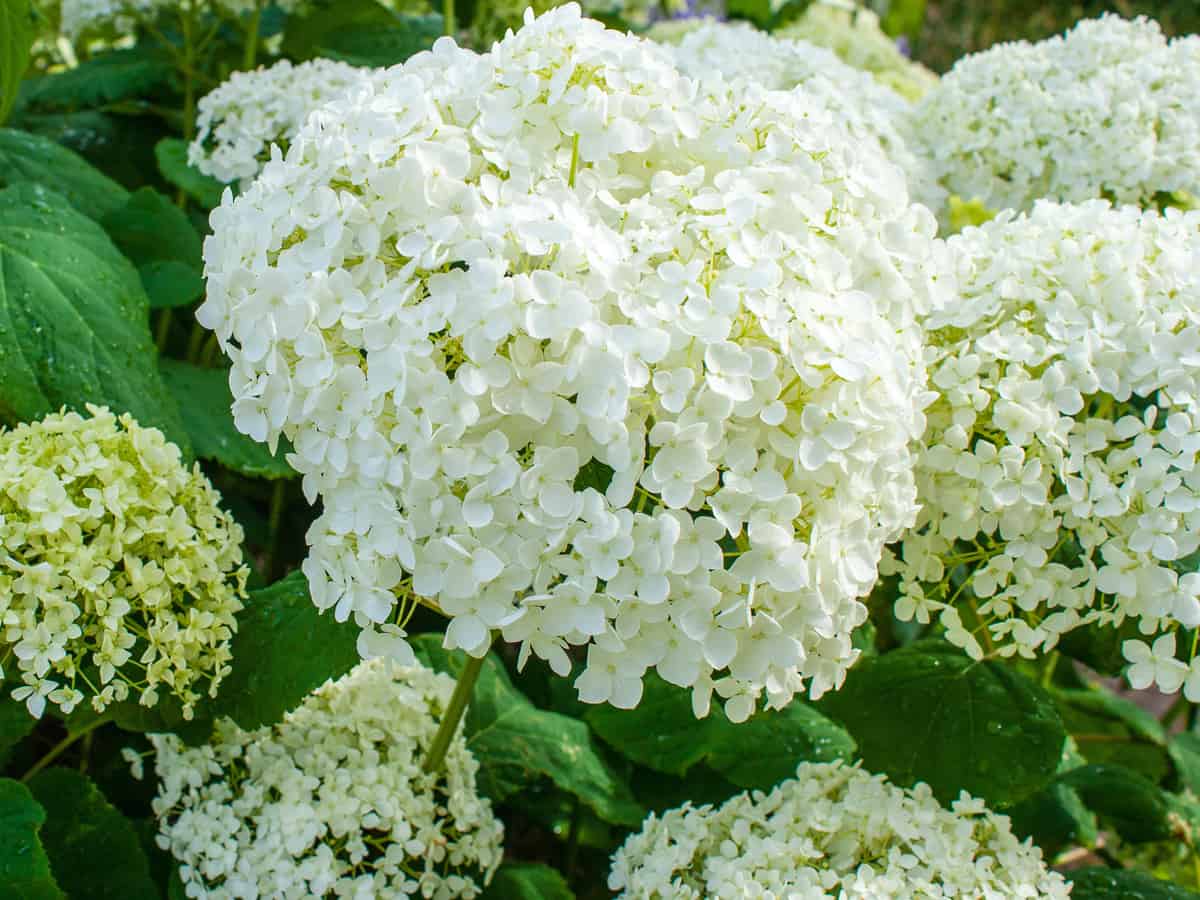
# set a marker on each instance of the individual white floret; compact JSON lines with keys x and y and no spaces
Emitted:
{"x":1059,"y":480}
{"x":833,"y":831}
{"x":332,"y":801}
{"x":1109,"y":110}
{"x":586,"y":353}
{"x":237,"y":123}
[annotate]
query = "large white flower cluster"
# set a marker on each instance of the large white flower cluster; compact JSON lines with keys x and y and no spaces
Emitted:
{"x":833,"y":831}
{"x":119,"y":573}
{"x":1111,"y":109}
{"x":332,"y":801}
{"x":854,"y":33}
{"x":237,"y":123}
{"x":872,"y":111}
{"x":586,"y":353}
{"x":1059,"y":477}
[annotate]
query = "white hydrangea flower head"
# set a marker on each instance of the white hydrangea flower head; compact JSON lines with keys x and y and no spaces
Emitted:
{"x":832,"y":831}
{"x":738,"y":52}
{"x":1109,"y":110}
{"x":585,"y":353}
{"x":120,"y":575}
{"x":1058,"y":479}
{"x":853,"y":32}
{"x":237,"y":123}
{"x":332,"y":801}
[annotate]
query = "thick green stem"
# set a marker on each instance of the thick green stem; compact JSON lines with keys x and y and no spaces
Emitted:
{"x":250,"y":56}
{"x":436,"y":756}
{"x":275,"y":520}
{"x":62,"y":746}
{"x":448,"y":17}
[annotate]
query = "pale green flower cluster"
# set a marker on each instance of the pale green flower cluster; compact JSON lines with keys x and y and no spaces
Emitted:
{"x":119,"y":573}
{"x":853,"y":32}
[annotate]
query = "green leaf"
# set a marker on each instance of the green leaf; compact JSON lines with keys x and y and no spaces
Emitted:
{"x":24,"y":866}
{"x":171,"y":154}
{"x":73,"y":318}
{"x":1112,"y":730}
{"x":527,"y":881}
{"x":169,"y":283}
{"x":150,"y":228}
{"x":1134,"y":805}
{"x":16,"y":36}
{"x":1055,"y":817}
{"x":1185,"y":753}
{"x":664,"y":734}
{"x":15,"y":723}
{"x":107,"y":78}
{"x":379,"y":47}
{"x":1100,"y":883}
{"x":204,"y":402}
{"x":283,"y":650}
{"x":94,"y":851}
{"x":516,"y":743}
{"x":927,"y":712}
{"x":28,"y":158}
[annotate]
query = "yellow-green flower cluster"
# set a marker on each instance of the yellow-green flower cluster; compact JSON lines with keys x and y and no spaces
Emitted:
{"x":119,"y":574}
{"x":853,"y":32}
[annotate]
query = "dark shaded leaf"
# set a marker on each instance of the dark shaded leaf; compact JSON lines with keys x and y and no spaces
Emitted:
{"x":1099,"y":883}
{"x":171,"y":154}
{"x":204,"y":402}
{"x":1185,"y":753}
{"x":1109,"y":729}
{"x":1134,"y":805}
{"x":927,"y":712}
{"x":527,"y":881}
{"x":516,"y":743}
{"x":16,"y":36}
{"x":169,"y":284}
{"x":94,"y":850}
{"x":106,"y":78}
{"x":15,"y":723}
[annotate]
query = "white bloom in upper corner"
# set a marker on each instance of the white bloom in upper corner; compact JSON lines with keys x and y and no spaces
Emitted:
{"x":870,"y":110}
{"x":237,"y":123}
{"x":1110,"y":109}
{"x":833,"y":831}
{"x":1059,"y":479}
{"x":332,"y":801}
{"x":587,"y":353}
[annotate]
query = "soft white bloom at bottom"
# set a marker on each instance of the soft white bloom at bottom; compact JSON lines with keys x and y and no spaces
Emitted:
{"x":833,"y":831}
{"x":332,"y":801}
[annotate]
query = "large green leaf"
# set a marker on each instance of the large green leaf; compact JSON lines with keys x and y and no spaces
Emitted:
{"x":15,"y":722}
{"x":516,"y":743}
{"x":171,"y":154}
{"x":26,"y":158}
{"x":73,"y":318}
{"x":1055,"y":817}
{"x":1185,"y":753}
{"x":527,"y":881}
{"x":1110,"y":729}
{"x":284,"y":649}
{"x":664,"y":734}
{"x":1100,"y":883}
{"x":379,"y":47}
{"x":204,"y":402}
{"x":927,"y":712}
{"x":105,"y":78}
{"x":1134,"y":805}
{"x":94,"y":851}
{"x":16,"y":35}
{"x":159,"y":239}
{"x":24,"y":867}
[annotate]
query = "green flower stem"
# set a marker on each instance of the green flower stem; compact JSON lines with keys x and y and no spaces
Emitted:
{"x":275,"y":520}
{"x":250,"y":56}
{"x":448,"y":17}
{"x":61,"y":747}
{"x":164,"y":329}
{"x":436,"y":757}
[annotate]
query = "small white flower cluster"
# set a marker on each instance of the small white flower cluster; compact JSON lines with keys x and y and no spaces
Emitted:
{"x":833,"y":831}
{"x":1110,"y":110}
{"x":873,"y":112}
{"x":853,"y":32}
{"x":1059,"y":477}
{"x":587,"y":354}
{"x":80,"y":17}
{"x":237,"y":123}
{"x":119,"y":573}
{"x":332,"y":801}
